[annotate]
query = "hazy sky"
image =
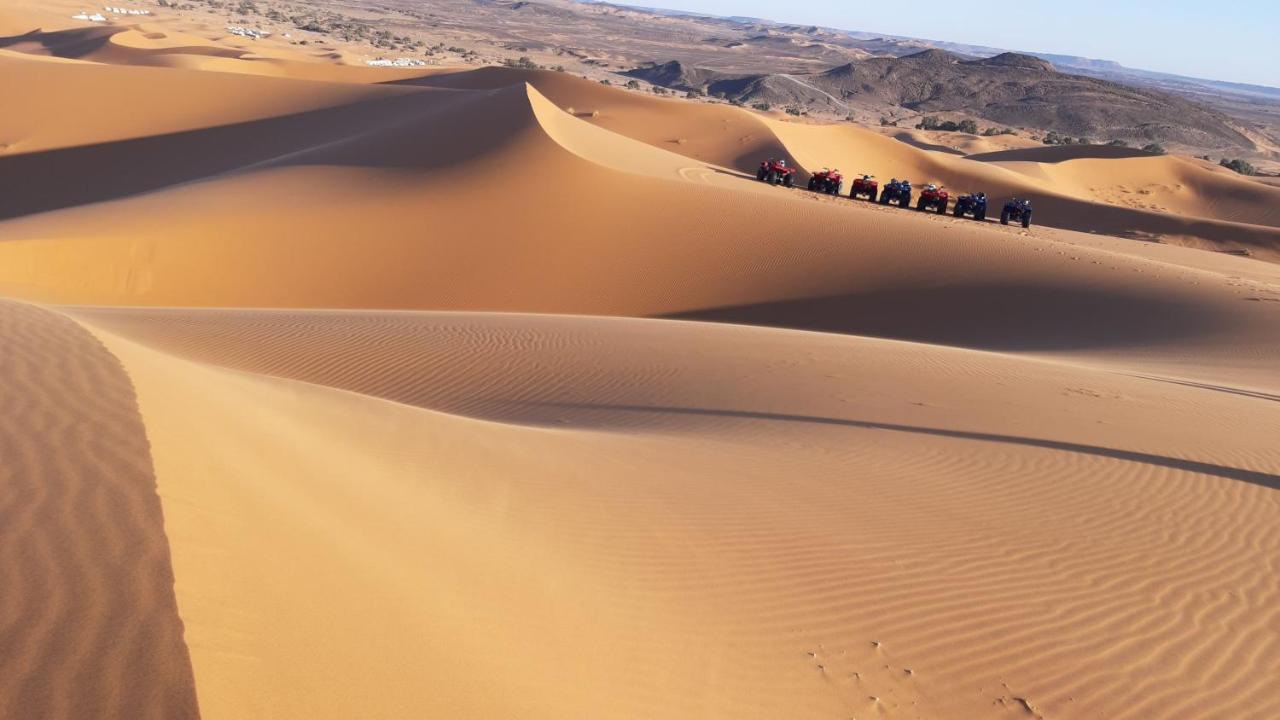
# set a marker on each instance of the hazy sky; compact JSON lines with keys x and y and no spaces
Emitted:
{"x":1236,"y":40}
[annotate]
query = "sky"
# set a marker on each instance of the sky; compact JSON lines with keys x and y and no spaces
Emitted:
{"x":1238,"y":41}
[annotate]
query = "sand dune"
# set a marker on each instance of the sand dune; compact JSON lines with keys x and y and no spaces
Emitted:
{"x":391,"y":394}
{"x":798,"y":594}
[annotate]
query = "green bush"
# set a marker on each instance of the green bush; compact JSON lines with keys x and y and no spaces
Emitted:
{"x":968,"y":126}
{"x":1240,"y":166}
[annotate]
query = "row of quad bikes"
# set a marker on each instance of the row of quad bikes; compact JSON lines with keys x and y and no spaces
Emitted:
{"x":933,"y":199}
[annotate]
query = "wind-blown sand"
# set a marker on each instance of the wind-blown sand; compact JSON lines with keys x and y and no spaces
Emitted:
{"x":337,"y":399}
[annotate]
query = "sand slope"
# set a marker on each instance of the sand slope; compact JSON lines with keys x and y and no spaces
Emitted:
{"x":987,"y":529}
{"x":88,"y":623}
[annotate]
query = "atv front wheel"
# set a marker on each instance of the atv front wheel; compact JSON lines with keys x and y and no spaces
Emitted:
{"x":1004,"y":217}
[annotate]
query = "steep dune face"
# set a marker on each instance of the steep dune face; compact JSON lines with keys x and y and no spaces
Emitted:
{"x":132,"y":103}
{"x":409,"y":505}
{"x":88,"y":621}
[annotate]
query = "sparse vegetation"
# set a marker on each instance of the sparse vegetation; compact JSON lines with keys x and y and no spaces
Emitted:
{"x":633,"y":84}
{"x":1053,"y":138}
{"x":1241,"y":166}
{"x":929,"y":122}
{"x":762,"y":106}
{"x":1118,"y":143}
{"x":524,"y":63}
{"x":992,"y":132}
{"x":1155,"y":149}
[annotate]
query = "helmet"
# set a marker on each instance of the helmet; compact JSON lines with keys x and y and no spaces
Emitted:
{"x":836,"y":171}
{"x":782,"y":163}
{"x":982,"y":195}
{"x":894,"y":180}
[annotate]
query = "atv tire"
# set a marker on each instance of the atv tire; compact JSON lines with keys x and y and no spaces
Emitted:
{"x":942,"y":208}
{"x":920,"y":205}
{"x":1026,"y":220}
{"x":1004,"y":217}
{"x":980,"y":216}
{"x":788,"y":180}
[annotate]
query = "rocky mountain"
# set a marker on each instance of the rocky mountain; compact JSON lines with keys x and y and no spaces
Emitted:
{"x":1009,"y":89}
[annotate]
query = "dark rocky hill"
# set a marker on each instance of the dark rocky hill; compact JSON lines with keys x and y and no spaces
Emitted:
{"x":1009,"y":89}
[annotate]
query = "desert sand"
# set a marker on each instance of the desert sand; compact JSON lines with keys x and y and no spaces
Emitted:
{"x":335,"y":392}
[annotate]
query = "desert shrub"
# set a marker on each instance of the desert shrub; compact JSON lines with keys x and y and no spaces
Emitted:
{"x":606,"y":81}
{"x":1155,"y":149}
{"x":691,"y":95}
{"x":762,"y":106}
{"x":659,"y":90}
{"x":1240,"y":166}
{"x":633,"y":85}
{"x":1118,"y":143}
{"x":795,"y":111}
{"x":929,"y":122}
{"x":968,"y":126}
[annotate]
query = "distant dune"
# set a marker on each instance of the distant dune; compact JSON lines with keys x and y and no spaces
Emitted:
{"x":348,"y":392}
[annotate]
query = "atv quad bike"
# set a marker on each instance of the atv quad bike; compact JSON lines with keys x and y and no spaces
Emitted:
{"x":974,"y":204}
{"x":776,"y":172}
{"x":866,"y":187}
{"x":933,"y":198}
{"x":830,"y":182}
{"x":897,"y":192}
{"x":1016,"y":210}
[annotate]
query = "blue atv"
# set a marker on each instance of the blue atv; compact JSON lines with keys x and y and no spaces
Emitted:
{"x":1016,"y":210}
{"x":898,"y":192}
{"x":974,"y":204}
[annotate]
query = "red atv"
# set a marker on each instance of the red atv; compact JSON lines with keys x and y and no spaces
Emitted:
{"x":776,"y":172}
{"x":830,"y":182}
{"x":933,"y":198}
{"x":865,"y":186}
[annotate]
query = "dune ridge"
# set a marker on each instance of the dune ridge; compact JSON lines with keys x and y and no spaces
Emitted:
{"x":841,"y":589}
{"x":88,"y":622}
